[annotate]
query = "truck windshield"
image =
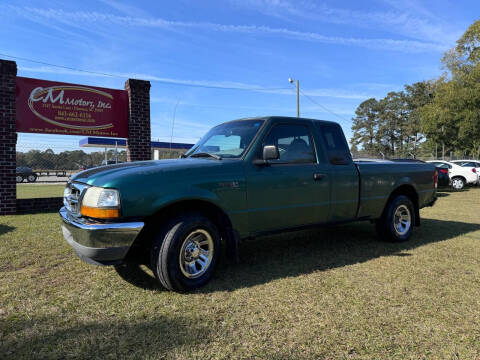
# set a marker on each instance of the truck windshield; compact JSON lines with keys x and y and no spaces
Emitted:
{"x":228,"y":140}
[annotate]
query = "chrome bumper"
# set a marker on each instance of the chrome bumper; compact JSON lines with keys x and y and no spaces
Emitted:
{"x":96,"y":242}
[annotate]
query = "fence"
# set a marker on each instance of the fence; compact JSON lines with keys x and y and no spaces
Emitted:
{"x":45,"y":163}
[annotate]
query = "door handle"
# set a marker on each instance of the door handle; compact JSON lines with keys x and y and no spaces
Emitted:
{"x":318,"y":177}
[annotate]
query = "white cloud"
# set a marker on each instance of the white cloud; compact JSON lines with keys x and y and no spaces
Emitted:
{"x":226,"y":85}
{"x":82,"y":17}
{"x":404,"y":19}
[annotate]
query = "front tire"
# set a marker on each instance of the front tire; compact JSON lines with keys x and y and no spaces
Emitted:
{"x":458,"y":183}
{"x":398,"y":218}
{"x":31,"y":178}
{"x":185,"y":252}
{"x":19,"y":179}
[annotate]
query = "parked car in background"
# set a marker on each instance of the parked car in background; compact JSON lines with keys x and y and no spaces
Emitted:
{"x":459,"y":176}
{"x":472,"y":164}
{"x":110,"y":162}
{"x":24,"y":172}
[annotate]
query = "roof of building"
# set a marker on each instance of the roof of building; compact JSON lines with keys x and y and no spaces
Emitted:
{"x":122,"y":143}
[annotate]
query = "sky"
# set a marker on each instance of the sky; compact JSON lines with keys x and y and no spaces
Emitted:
{"x":213,"y":61}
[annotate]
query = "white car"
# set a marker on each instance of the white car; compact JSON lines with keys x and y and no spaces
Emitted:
{"x":460,"y":176}
{"x":472,"y":164}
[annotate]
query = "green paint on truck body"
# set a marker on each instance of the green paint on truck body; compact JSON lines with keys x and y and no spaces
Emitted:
{"x":264,"y":198}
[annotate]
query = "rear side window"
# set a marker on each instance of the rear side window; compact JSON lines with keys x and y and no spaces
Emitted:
{"x":337,"y":148}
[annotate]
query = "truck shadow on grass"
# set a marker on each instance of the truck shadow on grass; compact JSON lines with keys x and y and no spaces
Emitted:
{"x":297,"y":253}
{"x":42,"y":337}
{"x":294,"y":254}
{"x":4,"y":229}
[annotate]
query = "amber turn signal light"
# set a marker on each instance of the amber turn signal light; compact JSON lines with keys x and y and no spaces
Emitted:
{"x":99,"y":213}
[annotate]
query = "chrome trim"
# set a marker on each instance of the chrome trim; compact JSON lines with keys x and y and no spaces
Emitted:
{"x":100,"y":235}
{"x":74,"y":193}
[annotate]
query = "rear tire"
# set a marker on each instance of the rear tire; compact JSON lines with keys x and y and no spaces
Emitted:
{"x":398,"y":218}
{"x":458,"y":183}
{"x":31,"y":178}
{"x":185,"y":252}
{"x":19,"y":178}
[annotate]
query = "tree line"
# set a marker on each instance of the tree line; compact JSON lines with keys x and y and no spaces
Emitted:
{"x":431,"y":118}
{"x":78,"y":159}
{"x":65,"y":160}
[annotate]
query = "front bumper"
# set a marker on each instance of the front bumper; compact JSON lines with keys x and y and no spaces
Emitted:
{"x":99,"y":243}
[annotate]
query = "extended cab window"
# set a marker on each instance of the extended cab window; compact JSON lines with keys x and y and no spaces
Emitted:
{"x":294,"y":143}
{"x":337,"y":148}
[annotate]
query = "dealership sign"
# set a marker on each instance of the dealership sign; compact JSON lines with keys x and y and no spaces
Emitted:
{"x":59,"y":108}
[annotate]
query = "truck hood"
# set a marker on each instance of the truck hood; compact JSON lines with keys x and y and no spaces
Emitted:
{"x":114,"y":175}
{"x":147,"y":186}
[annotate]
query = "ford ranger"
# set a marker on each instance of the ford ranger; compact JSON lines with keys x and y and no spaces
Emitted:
{"x":243,"y":179}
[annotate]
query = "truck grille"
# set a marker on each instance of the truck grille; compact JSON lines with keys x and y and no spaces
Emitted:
{"x":72,"y":197}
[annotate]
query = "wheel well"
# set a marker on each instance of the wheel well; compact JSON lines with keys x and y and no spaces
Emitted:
{"x":411,"y":193}
{"x":141,"y":247}
{"x":461,"y":177}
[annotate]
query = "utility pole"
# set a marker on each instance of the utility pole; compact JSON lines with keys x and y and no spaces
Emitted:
{"x":298,"y":99}
{"x":297,"y":83}
{"x":443,"y":143}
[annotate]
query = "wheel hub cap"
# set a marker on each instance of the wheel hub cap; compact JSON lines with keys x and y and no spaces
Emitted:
{"x":402,"y":220}
{"x":196,"y":253}
{"x":457,"y":184}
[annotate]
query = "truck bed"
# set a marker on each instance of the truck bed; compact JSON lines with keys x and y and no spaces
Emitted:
{"x":378,"y":178}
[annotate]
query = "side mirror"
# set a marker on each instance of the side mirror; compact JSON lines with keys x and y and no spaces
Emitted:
{"x":270,"y":152}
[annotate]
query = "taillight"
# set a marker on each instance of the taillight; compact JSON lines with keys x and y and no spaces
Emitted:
{"x":435,"y":178}
{"x":474,"y":170}
{"x":445,"y":171}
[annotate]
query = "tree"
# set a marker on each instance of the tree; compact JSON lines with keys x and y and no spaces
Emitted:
{"x":365,"y":125}
{"x":428,"y":113}
{"x":465,"y":56}
{"x":392,"y":113}
{"x":453,"y":117}
{"x":417,"y":96}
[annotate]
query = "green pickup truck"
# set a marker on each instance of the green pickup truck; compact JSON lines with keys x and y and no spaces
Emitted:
{"x":243,"y":179}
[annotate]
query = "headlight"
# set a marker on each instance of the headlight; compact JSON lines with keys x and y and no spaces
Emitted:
{"x":101,"y":203}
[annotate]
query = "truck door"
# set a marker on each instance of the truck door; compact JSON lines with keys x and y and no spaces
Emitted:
{"x":344,"y":174}
{"x":293,"y":190}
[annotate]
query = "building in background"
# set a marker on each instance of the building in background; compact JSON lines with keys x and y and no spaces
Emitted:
{"x":160,"y":149}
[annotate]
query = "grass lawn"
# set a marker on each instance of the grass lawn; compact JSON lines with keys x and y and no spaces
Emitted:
{"x":329,"y":293}
{"x":28,"y":191}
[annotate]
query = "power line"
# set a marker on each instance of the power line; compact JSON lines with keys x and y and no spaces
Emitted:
{"x":58,"y":66}
{"x":153,"y":80}
{"x":322,"y":106}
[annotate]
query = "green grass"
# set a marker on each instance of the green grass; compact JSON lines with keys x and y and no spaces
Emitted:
{"x":28,"y":191}
{"x":329,"y":293}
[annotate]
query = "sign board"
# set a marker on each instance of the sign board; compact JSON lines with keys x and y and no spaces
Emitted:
{"x":49,"y":107}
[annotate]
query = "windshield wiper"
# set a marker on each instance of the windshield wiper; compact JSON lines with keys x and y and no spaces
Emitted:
{"x":206,"y":154}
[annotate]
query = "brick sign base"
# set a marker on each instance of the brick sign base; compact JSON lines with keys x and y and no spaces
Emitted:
{"x":26,"y":206}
